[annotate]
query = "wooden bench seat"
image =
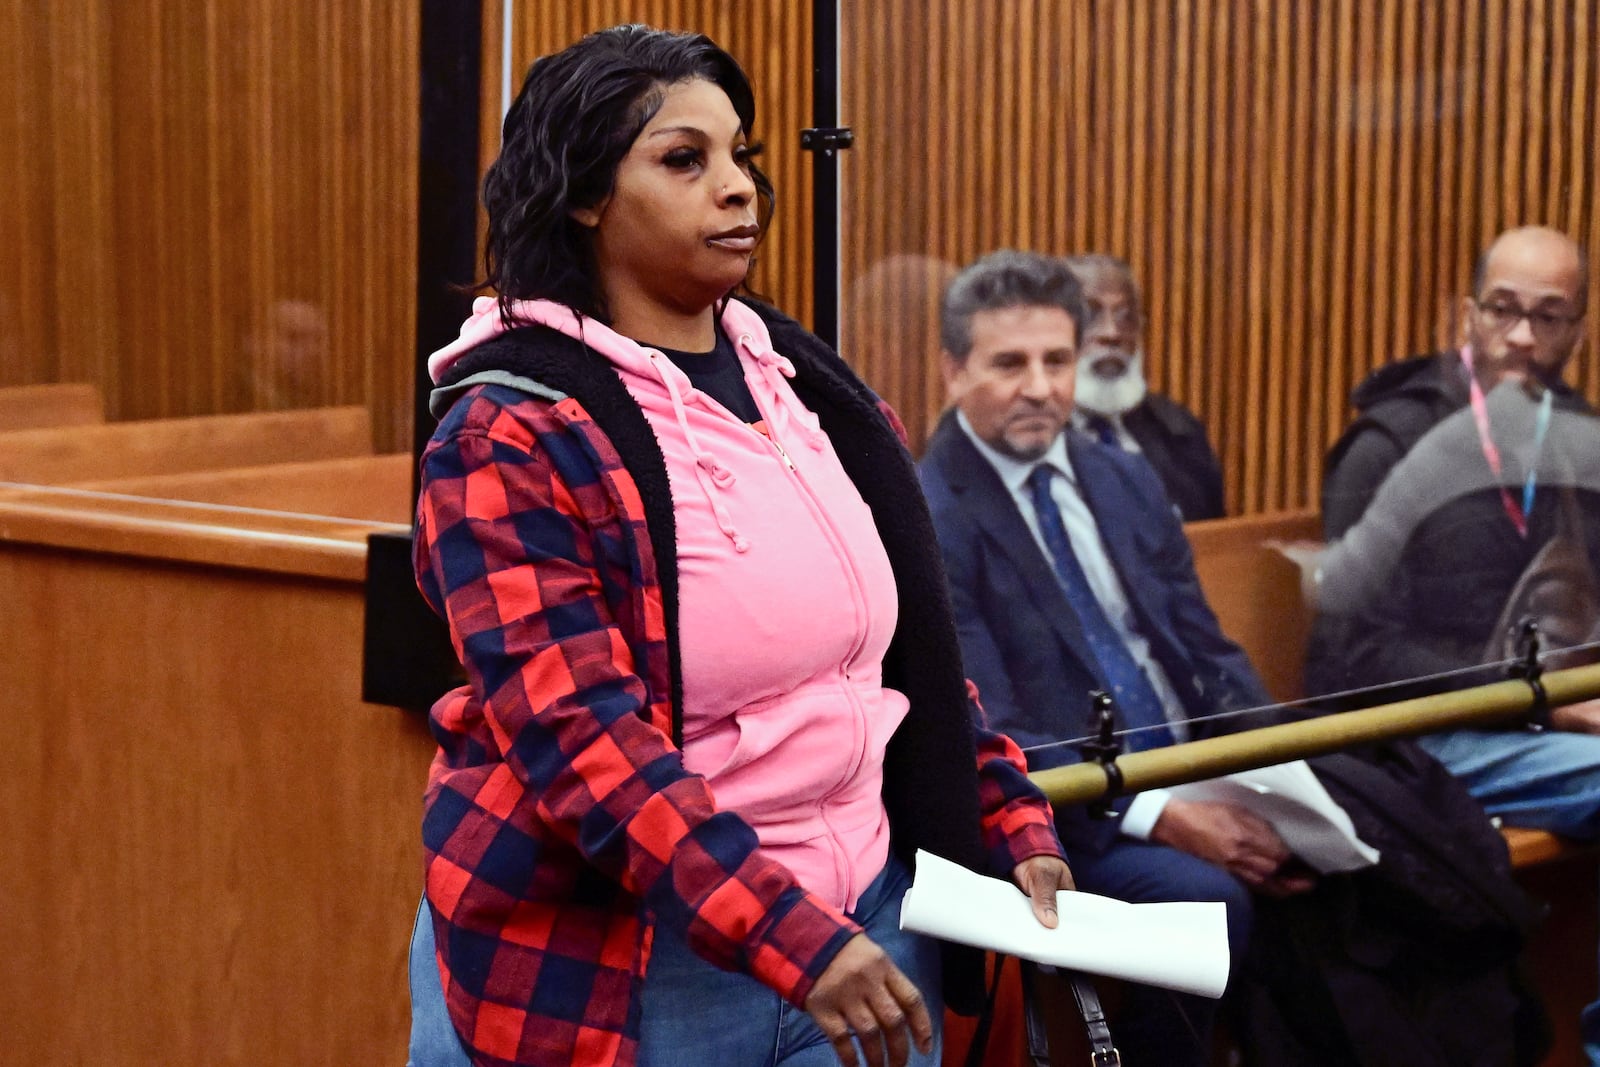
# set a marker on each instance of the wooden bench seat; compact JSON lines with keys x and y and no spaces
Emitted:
{"x":66,"y":455}
{"x":1255,"y":591}
{"x":27,"y":407}
{"x":357,"y":487}
{"x":1530,"y":847}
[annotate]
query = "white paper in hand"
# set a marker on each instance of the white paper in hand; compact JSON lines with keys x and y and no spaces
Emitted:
{"x":1288,"y":796}
{"x":1181,"y":945}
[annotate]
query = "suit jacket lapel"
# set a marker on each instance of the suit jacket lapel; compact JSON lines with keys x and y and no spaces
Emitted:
{"x":994,"y":511}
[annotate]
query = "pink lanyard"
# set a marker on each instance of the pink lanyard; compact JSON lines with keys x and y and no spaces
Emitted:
{"x":1480,"y":415}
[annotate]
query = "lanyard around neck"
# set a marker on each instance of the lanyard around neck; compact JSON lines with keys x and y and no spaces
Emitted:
{"x":1480,"y":415}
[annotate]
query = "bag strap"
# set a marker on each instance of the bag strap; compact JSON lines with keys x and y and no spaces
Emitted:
{"x":1102,"y":1052}
{"x":1033,"y":1016}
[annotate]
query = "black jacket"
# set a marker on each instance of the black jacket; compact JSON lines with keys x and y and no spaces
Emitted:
{"x":1398,"y":403}
{"x":1174,"y":441}
{"x":1411,"y":963}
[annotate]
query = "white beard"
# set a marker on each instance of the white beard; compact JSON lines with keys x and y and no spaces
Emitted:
{"x":1110,"y":396}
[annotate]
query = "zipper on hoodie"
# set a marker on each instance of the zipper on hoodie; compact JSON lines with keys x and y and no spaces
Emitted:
{"x":787,"y":462}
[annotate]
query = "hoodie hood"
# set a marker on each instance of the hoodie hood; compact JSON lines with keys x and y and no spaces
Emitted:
{"x":645,"y":368}
{"x":1439,"y":375}
{"x":486,"y":323}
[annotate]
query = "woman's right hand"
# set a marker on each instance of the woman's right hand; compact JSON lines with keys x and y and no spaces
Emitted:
{"x":862,"y":994}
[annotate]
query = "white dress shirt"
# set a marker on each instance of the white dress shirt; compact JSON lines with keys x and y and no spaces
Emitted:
{"x":1090,"y":548}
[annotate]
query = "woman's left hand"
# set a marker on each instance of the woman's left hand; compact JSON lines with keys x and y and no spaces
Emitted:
{"x":1040,"y":878}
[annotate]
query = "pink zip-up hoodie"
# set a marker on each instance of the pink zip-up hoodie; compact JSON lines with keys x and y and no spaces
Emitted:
{"x":786,"y":602}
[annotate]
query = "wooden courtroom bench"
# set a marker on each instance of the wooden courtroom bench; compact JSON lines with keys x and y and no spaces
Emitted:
{"x":25,"y":407}
{"x":208,"y":831}
{"x":62,"y":455}
{"x":358,"y":487}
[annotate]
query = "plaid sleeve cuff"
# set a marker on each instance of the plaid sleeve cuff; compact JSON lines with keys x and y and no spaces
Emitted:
{"x":1032,"y":840}
{"x":1017,"y":821}
{"x":799,"y":945}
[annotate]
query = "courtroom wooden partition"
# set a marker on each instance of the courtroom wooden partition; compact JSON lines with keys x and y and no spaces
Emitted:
{"x":58,"y":455}
{"x":355,"y":487}
{"x":26,"y":407}
{"x":211,"y":851}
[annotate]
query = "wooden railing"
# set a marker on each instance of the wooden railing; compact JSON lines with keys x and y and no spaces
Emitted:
{"x":27,"y":407}
{"x":209,"y":832}
{"x":70,"y":454}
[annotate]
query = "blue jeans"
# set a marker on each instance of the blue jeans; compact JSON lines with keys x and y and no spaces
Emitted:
{"x":1546,"y":781}
{"x":433,"y":1037}
{"x":694,"y":1013}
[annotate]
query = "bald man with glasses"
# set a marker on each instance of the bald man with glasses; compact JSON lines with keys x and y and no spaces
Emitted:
{"x":1466,"y":498}
{"x":1524,"y":317}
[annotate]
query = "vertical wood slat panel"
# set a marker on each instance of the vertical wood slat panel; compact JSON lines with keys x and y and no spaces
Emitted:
{"x":1285,"y":256}
{"x":1586,"y":156}
{"x":1259,"y":462}
{"x":1293,"y":358}
{"x":1302,"y":188}
{"x":1171,"y":372}
{"x":193,"y":177}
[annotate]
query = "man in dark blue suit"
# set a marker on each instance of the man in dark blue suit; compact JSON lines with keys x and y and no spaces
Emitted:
{"x":1070,"y":573}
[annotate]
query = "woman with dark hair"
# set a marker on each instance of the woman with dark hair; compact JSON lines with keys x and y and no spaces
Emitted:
{"x":713,"y":674}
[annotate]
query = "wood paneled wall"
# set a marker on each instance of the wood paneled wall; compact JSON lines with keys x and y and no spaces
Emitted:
{"x":1301,"y":187}
{"x":211,"y":852}
{"x":199,"y":194}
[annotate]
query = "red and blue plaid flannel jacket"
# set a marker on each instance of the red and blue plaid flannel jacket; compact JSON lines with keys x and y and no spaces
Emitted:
{"x":559,"y":822}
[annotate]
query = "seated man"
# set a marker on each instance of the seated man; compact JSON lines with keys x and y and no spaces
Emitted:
{"x":1070,"y":572}
{"x":1401,"y":401}
{"x":1114,"y":404}
{"x":1468,"y":497}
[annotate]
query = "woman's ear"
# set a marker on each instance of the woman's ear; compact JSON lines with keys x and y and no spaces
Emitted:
{"x":587,"y":217}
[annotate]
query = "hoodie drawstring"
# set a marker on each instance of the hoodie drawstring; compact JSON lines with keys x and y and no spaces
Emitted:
{"x":774,"y":368}
{"x":709,"y":473}
{"x":790,"y":416}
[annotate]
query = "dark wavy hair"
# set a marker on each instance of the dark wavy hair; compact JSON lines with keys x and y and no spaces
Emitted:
{"x":578,"y":113}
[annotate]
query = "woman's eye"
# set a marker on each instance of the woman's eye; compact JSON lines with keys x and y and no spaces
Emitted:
{"x":744,"y":155}
{"x":682,"y":158}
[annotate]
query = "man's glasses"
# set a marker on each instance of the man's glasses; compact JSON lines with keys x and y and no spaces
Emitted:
{"x":1501,"y":317}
